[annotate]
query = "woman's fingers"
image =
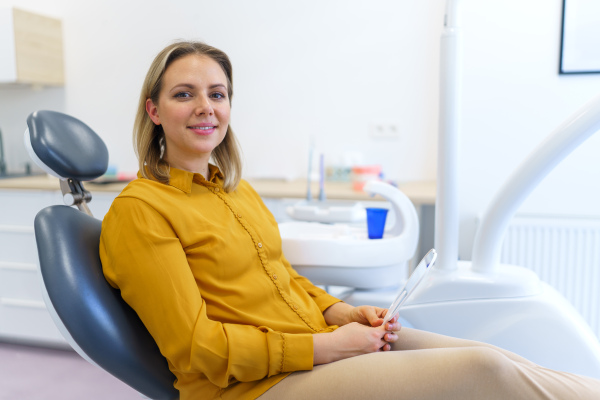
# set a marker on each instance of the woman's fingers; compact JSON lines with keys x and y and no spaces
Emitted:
{"x":393,"y":326}
{"x":386,"y":347}
{"x":390,"y":337}
{"x":387,"y":339}
{"x":371,"y":315}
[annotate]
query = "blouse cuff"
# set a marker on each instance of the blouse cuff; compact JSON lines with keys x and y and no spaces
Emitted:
{"x":297,"y":352}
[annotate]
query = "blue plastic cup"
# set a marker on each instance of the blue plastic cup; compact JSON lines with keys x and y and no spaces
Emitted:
{"x":376,"y":222}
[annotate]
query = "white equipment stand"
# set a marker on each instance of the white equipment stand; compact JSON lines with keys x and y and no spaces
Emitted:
{"x":504,"y":305}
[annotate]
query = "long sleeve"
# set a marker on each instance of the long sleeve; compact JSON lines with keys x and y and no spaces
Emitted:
{"x":143,"y":256}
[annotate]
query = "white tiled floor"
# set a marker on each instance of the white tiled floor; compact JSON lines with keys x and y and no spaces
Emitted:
{"x":36,"y":373}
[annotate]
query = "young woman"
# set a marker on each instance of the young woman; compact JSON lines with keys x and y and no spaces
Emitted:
{"x":196,"y":253}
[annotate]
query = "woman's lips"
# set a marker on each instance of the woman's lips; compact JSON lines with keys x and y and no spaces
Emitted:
{"x":203,"y":129}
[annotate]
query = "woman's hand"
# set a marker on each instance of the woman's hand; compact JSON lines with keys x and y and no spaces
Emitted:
{"x":373,"y":316}
{"x":350,"y":340}
{"x":343,"y":313}
{"x":360,"y":332}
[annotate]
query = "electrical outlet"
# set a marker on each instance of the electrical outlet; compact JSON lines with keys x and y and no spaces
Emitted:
{"x":384,"y":130}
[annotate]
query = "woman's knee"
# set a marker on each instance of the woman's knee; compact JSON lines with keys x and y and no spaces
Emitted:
{"x":487,"y":362}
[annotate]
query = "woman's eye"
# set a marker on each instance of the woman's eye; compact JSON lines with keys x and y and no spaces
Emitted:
{"x":218,"y":95}
{"x":183,"y":95}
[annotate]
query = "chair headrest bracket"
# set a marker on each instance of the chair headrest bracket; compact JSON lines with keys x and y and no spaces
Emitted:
{"x":74,"y":194}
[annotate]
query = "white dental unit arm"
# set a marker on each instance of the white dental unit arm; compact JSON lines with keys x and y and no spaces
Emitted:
{"x":504,"y":305}
{"x":481,"y":278}
{"x":566,"y":138}
{"x":343,"y":255}
{"x":507,"y":305}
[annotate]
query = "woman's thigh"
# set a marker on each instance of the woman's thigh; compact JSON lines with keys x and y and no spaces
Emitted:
{"x":434,"y":367}
{"x":464,"y":373}
{"x":414,"y":339}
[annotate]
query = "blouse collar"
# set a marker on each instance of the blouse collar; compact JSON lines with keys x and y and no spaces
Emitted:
{"x":183,"y":180}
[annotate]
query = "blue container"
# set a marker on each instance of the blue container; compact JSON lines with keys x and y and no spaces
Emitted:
{"x":376,"y":222}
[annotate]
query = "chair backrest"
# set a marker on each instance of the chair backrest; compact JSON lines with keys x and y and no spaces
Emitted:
{"x":91,"y":314}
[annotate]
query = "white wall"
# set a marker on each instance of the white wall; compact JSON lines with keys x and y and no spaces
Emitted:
{"x":327,"y":69}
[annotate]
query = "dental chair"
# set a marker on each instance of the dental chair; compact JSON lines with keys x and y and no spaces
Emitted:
{"x":89,"y":313}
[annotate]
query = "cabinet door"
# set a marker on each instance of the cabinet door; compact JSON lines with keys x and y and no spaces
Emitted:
{"x":31,"y":48}
{"x":23,"y":314}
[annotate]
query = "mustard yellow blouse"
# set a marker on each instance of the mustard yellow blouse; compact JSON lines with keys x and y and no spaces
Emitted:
{"x":205,"y":272}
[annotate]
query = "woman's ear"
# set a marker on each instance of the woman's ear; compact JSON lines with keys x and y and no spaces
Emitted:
{"x":152,"y":111}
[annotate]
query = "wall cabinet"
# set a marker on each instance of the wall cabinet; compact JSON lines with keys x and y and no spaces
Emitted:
{"x":31,"y":48}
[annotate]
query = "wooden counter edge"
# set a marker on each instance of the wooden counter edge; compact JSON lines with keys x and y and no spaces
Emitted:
{"x":419,"y":192}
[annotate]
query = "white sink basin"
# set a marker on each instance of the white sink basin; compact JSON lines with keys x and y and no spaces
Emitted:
{"x":343,"y":255}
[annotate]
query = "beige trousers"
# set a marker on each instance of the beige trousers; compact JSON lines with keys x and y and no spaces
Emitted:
{"x":425,"y":365}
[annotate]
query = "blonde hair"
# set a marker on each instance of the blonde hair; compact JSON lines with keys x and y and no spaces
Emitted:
{"x":149,"y":139}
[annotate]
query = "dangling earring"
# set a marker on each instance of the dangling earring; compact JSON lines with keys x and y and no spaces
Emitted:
{"x":162,"y":145}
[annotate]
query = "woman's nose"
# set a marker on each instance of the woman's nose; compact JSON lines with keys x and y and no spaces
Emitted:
{"x":203,"y":106}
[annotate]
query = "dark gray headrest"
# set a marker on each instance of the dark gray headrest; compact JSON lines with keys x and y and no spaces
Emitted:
{"x":67,"y":146}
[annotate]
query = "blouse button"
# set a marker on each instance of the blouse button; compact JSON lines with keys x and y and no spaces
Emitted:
{"x":216,"y":190}
{"x":259,"y":245}
{"x":274,"y":276}
{"x":295,"y":307}
{"x":239,"y":215}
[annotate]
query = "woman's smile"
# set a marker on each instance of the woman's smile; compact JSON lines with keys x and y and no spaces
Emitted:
{"x":203,"y":128}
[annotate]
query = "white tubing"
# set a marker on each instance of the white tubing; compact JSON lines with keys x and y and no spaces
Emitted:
{"x":566,"y":138}
{"x":452,"y":18}
{"x":447,"y":210}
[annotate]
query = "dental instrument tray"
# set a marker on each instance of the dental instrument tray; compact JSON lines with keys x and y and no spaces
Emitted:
{"x":327,"y":212}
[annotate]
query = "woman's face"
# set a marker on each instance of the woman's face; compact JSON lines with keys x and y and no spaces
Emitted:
{"x":193,"y":109}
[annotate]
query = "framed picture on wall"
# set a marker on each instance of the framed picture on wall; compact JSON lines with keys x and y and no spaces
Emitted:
{"x":580,"y":44}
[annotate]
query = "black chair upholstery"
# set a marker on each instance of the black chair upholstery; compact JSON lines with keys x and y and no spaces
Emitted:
{"x":97,"y":319}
